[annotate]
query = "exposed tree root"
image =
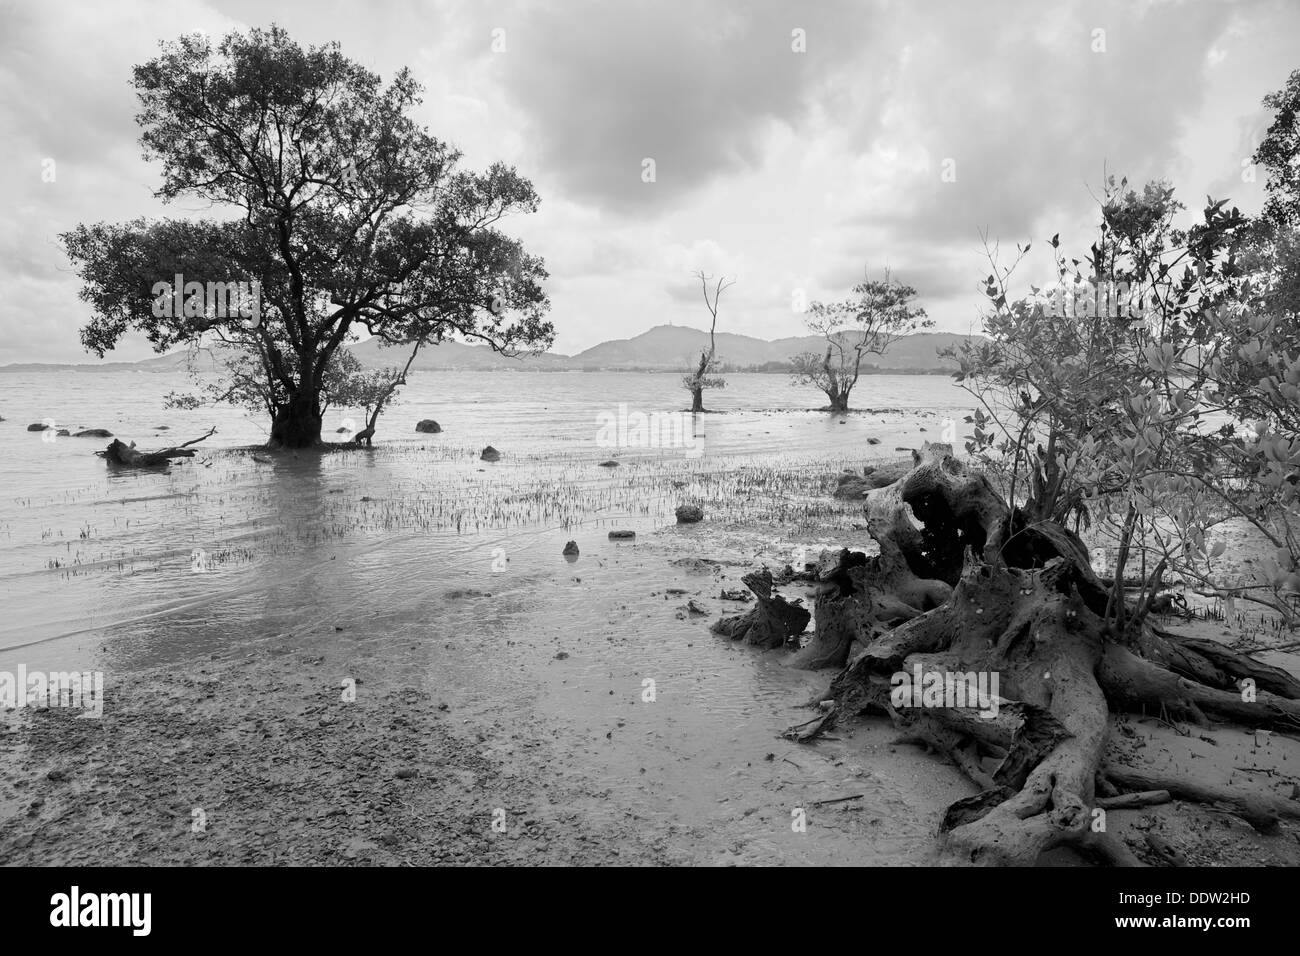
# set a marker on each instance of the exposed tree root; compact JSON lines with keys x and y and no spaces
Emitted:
{"x":859,"y":598}
{"x":1261,"y":810}
{"x":982,"y":638}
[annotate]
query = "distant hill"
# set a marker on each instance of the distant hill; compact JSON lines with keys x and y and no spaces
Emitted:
{"x":662,"y":348}
{"x":675,"y":346}
{"x":454,"y":355}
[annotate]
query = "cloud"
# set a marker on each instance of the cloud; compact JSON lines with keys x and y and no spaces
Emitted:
{"x":792,"y":171}
{"x":692,"y":87}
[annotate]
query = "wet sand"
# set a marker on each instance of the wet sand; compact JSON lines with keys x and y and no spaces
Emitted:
{"x":533,"y":715}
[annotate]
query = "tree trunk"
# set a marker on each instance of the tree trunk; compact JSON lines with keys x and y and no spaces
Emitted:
{"x":297,"y":423}
{"x":697,"y":399}
{"x":839,"y":400}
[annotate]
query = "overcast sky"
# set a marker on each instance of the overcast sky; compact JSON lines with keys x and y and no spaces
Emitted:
{"x":791,"y":171}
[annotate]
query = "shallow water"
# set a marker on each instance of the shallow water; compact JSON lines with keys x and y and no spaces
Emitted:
{"x":92,"y":555}
{"x":417,"y":562}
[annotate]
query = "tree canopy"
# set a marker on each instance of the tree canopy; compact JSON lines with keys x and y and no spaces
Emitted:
{"x":349,"y":215}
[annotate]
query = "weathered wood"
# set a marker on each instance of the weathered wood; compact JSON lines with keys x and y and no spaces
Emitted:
{"x":1134,"y":801}
{"x":978,"y":591}
{"x":128,"y":456}
{"x":1261,"y":810}
{"x":771,"y":622}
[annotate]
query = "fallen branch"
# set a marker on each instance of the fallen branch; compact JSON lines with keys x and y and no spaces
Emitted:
{"x":826,"y":803}
{"x":128,"y":456}
{"x":1132,"y":801}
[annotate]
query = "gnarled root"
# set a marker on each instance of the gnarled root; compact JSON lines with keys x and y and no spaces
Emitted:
{"x":859,"y":598}
{"x":1136,"y":682}
{"x":978,"y":595}
{"x":1261,"y":810}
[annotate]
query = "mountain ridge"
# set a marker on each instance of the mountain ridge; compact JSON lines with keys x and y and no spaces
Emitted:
{"x":660,"y":348}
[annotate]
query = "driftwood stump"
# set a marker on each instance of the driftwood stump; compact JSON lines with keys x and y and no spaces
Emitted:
{"x":982,"y":637}
{"x":771,"y":622}
{"x":128,"y":456}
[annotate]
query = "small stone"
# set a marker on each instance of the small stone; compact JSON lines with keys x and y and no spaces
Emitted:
{"x":571,"y":549}
{"x":490,"y":454}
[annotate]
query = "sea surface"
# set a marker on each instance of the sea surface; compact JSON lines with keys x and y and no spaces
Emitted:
{"x":89,"y":553}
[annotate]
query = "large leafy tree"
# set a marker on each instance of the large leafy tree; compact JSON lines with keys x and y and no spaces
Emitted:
{"x":350,"y":216}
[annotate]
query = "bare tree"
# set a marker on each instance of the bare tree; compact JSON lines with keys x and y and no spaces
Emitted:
{"x":704,"y":375}
{"x":874,"y":318}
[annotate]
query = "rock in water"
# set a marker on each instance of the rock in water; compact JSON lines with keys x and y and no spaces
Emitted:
{"x":37,"y":427}
{"x":609,"y":464}
{"x":93,"y":433}
{"x":571,"y":549}
{"x":689,"y":514}
{"x":490,"y":454}
{"x":621,"y":535}
{"x":429,"y":426}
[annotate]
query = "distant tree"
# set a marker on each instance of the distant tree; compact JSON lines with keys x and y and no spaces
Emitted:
{"x":350,"y":215}
{"x":704,"y":375}
{"x":878,"y":314}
